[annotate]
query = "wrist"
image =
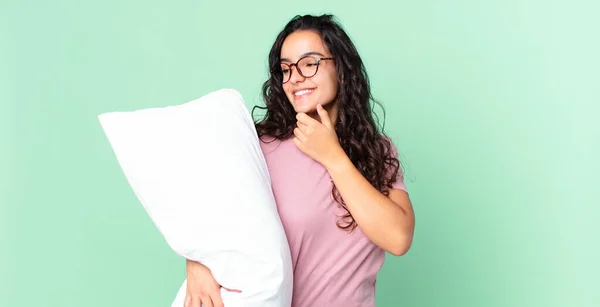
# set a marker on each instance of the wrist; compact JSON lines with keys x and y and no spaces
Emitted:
{"x":191,"y":264}
{"x":338,"y":162}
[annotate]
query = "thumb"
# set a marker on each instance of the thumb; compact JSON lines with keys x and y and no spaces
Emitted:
{"x":324,"y":115}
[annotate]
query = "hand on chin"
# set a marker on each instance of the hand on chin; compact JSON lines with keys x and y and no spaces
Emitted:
{"x":316,"y":137}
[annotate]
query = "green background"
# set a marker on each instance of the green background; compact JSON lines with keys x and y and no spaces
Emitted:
{"x":493,"y":105}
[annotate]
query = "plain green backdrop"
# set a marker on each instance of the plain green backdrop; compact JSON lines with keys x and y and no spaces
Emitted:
{"x":493,"y":105}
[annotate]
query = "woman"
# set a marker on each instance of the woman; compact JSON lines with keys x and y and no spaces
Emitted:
{"x":336,"y":178}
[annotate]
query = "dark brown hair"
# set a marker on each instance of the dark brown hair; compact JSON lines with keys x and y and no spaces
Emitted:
{"x":369,"y":149}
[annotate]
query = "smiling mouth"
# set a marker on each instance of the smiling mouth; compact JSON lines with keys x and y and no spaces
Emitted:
{"x":303,"y":93}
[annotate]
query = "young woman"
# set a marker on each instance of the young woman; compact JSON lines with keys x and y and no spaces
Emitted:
{"x":336,"y":178}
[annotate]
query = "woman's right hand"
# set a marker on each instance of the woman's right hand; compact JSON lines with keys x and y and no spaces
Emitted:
{"x":202,"y":288}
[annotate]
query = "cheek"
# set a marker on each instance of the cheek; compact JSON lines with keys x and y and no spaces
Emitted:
{"x":286,"y":88}
{"x":333,"y":84}
{"x":331,"y":77}
{"x":334,"y":79}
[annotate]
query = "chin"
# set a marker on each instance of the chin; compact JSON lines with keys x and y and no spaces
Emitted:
{"x":303,"y":106}
{"x":305,"y":109}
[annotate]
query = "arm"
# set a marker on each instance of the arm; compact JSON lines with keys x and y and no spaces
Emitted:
{"x":387,"y":221}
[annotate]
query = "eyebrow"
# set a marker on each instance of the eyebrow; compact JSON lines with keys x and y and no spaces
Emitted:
{"x":303,"y":55}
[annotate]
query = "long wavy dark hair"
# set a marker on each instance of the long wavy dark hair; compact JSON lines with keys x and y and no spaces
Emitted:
{"x":367,"y":147}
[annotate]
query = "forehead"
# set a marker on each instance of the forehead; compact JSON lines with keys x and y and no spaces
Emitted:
{"x":302,"y":42}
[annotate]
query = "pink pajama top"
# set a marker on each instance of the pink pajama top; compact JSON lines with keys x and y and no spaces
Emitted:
{"x":332,"y":267}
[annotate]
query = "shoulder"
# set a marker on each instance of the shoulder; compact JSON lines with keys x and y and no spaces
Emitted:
{"x":393,"y":165}
{"x":391,"y":148}
{"x":270,"y":144}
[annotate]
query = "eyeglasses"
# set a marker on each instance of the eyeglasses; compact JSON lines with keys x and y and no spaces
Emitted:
{"x":306,"y":66}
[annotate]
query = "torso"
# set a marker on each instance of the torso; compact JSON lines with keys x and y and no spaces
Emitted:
{"x":332,"y":267}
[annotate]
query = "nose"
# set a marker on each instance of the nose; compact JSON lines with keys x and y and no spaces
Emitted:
{"x":295,"y":76}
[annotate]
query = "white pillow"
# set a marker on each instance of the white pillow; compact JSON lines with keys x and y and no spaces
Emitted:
{"x":198,"y":170}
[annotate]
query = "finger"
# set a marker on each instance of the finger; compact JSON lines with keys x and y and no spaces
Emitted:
{"x":302,"y":126}
{"x":300,"y":135}
{"x":206,"y":302}
{"x":324,"y":115}
{"x":195,"y":302}
{"x":305,"y":119}
{"x":188,"y":301}
{"x":217,"y":299}
{"x":299,"y":144}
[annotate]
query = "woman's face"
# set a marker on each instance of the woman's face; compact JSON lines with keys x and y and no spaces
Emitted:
{"x":306,"y":93}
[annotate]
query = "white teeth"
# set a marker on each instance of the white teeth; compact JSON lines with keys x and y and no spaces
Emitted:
{"x":302,"y":92}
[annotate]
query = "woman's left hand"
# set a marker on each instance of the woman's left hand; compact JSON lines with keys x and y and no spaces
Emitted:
{"x":317,"y":139}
